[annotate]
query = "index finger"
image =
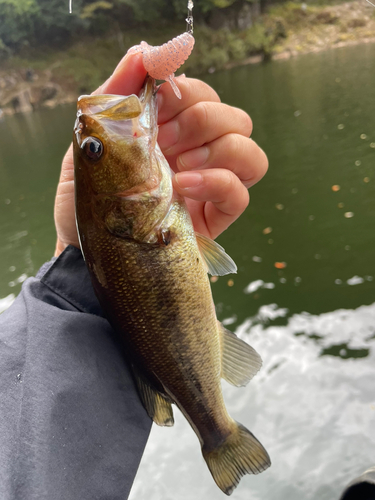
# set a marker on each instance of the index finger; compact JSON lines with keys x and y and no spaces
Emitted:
{"x":192,"y":92}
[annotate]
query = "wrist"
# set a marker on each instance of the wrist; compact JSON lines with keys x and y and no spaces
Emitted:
{"x":60,"y":247}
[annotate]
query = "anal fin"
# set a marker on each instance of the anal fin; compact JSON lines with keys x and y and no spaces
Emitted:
{"x":157,"y":406}
{"x":239,"y":362}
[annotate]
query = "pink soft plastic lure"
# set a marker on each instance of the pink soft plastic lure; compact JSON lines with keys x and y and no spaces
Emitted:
{"x":162,"y":61}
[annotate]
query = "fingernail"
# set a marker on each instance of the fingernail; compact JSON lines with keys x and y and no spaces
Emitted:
{"x":187,"y":180}
{"x":119,"y":66}
{"x":169,"y":134}
{"x":193,"y":159}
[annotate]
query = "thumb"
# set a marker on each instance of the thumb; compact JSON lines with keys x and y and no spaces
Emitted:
{"x":127,"y":78}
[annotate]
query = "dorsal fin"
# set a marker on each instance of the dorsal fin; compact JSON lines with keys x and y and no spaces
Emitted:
{"x":217,"y":261}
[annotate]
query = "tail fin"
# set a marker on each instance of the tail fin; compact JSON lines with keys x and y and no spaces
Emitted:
{"x":241,"y":453}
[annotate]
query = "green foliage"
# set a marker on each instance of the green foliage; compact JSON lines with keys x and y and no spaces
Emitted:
{"x":217,"y":48}
{"x":293,"y":14}
{"x":47,"y":22}
{"x":144,"y":10}
{"x":27,"y":22}
{"x":222,"y":4}
{"x":33,"y":22}
{"x":17,"y":18}
{"x":89,"y":11}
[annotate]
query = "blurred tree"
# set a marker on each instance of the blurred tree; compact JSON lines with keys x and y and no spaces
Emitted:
{"x":30,"y":22}
{"x":17,"y":19}
{"x":90,"y":10}
{"x":145,"y":10}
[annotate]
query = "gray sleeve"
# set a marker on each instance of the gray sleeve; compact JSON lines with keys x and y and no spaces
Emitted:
{"x":71,"y":423}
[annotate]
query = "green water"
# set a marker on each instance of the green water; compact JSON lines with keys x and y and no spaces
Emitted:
{"x":313,"y":403}
{"x":31,"y":148}
{"x":297,"y":108}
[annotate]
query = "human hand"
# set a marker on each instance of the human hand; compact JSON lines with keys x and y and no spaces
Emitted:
{"x":205,"y":142}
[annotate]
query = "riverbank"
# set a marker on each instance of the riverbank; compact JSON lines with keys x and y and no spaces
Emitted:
{"x":48,"y":77}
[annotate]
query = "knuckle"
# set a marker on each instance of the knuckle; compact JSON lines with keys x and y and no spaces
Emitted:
{"x":265,"y":162}
{"x":205,"y":90}
{"x":245,"y":200}
{"x":239,"y":197}
{"x":262,"y":165}
{"x":202,"y":114}
{"x":248,"y":124}
{"x":236,"y":146}
{"x":187,"y":88}
{"x":229,"y":181}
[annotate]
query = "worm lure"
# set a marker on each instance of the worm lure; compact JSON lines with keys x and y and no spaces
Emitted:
{"x":162,"y":61}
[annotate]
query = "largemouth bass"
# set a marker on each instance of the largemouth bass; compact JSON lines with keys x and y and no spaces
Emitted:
{"x":149,"y":271}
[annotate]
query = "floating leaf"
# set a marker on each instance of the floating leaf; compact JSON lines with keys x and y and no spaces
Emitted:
{"x":280,"y":265}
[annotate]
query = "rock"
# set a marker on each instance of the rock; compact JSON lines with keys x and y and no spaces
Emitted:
{"x":26,"y":97}
{"x":29,"y":75}
{"x":247,"y":15}
{"x":48,"y":92}
{"x":20,"y":102}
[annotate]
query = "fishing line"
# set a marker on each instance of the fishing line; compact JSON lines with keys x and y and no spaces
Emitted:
{"x":189,"y":19}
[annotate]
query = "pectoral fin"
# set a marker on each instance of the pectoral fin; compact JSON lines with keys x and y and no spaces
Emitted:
{"x":239,"y":362}
{"x":217,"y":261}
{"x":158,"y":408}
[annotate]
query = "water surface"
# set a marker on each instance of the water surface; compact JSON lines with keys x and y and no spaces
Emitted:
{"x":304,"y":294}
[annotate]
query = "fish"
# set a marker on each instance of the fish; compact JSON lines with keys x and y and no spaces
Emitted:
{"x":149,"y":271}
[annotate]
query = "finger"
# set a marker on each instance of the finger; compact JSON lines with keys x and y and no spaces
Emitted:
{"x":67,"y":170}
{"x":224,"y":195}
{"x":202,"y":123}
{"x":127,"y":78}
{"x":192,"y":92}
{"x":231,"y":151}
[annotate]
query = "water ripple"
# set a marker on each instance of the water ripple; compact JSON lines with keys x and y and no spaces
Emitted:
{"x":314,"y":413}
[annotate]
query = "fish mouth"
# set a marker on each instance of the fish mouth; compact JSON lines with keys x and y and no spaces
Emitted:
{"x":119,"y":114}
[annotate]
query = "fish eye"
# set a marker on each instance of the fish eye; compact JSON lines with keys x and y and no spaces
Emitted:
{"x":93,"y":148}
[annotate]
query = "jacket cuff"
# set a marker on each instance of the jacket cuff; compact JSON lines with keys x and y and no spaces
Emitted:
{"x":68,"y":277}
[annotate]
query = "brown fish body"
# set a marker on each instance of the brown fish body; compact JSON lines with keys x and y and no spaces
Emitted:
{"x":151,"y":279}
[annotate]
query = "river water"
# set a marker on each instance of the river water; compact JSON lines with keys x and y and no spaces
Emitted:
{"x":304,"y":295}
